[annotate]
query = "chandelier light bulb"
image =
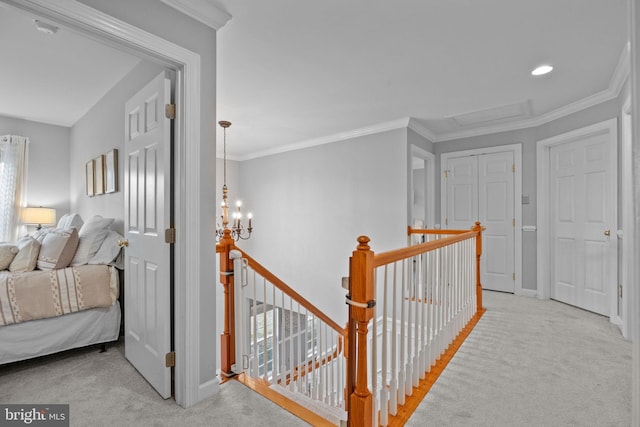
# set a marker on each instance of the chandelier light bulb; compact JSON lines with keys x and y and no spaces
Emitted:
{"x":233,"y":229}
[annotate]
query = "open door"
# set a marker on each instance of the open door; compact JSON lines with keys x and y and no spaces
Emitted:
{"x":147,"y":195}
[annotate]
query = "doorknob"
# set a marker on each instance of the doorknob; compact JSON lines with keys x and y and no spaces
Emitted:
{"x":607,"y":232}
{"x":123,"y":243}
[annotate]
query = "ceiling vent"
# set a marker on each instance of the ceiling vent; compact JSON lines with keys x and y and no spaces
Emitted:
{"x":520,"y":110}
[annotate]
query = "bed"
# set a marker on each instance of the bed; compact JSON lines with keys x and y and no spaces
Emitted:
{"x":65,"y":301}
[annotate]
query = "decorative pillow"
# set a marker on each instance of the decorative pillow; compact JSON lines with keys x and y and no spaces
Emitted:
{"x":92,"y":234}
{"x":58,"y":247}
{"x":27,"y":256}
{"x":8,"y":252}
{"x":109,"y":249}
{"x":70,"y":220}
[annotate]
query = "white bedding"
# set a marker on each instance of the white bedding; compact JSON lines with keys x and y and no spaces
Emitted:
{"x":46,"y":336}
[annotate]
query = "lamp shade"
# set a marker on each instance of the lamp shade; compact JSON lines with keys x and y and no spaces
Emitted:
{"x":38,"y":216}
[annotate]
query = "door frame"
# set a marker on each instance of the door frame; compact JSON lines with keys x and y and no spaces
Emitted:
{"x":516,"y":149}
{"x":543,"y":168}
{"x":104,"y":27}
{"x":628,"y":226}
{"x":430,"y":175}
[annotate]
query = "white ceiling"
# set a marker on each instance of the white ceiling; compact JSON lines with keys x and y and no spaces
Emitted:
{"x":294,"y":73}
{"x":291,"y":72}
{"x":53,"y":78}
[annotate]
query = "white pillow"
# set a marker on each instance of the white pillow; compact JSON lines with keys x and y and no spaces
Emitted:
{"x":92,"y":234}
{"x":8,"y":252}
{"x":70,"y":220}
{"x":39,"y":234}
{"x":27,"y":256}
{"x":57,"y":248}
{"x":109,"y":249}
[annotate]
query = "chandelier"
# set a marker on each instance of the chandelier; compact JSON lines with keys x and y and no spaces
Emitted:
{"x":237,"y":230}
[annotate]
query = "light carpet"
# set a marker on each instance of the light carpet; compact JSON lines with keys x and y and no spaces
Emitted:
{"x":527,"y":363}
{"x":531,"y":362}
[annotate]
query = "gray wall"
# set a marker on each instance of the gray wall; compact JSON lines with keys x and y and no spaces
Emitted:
{"x":48,"y":168}
{"x":166,"y":22}
{"x":310,"y":205}
{"x":102,"y":129}
{"x":527,"y":138}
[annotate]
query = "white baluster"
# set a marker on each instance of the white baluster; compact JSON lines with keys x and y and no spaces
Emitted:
{"x":383,"y":386}
{"x":393,"y":399}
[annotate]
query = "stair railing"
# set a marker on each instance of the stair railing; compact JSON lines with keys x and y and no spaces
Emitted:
{"x":405,"y":308}
{"x":281,"y":340}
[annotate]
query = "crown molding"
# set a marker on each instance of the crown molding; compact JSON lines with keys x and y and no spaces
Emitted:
{"x":620,"y":75}
{"x":336,"y":137}
{"x":202,"y":11}
{"x":421,"y":129}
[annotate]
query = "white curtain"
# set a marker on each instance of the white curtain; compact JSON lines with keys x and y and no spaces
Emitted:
{"x":13,"y":176}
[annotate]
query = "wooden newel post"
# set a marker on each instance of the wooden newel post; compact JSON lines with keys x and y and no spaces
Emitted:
{"x":477,"y":227}
{"x":228,"y":336}
{"x":361,"y":312}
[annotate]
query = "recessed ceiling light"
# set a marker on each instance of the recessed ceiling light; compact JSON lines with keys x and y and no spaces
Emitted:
{"x":45,"y":28}
{"x":541,"y":70}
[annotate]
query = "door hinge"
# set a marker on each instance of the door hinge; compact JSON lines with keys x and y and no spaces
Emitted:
{"x":170,"y":111}
{"x":170,"y":235}
{"x":513,"y":222}
{"x":513,"y":167}
{"x":620,"y":291}
{"x":446,"y":173}
{"x":170,"y":359}
{"x":514,"y":277}
{"x":446,"y":221}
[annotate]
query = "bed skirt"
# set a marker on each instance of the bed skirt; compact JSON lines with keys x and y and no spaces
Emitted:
{"x":46,"y":336}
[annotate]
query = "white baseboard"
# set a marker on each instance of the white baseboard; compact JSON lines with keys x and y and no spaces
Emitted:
{"x":529,"y":293}
{"x":208,"y":389}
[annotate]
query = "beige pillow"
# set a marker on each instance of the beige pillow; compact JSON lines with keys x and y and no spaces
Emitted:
{"x":27,"y":256}
{"x":8,"y":252}
{"x":58,"y":247}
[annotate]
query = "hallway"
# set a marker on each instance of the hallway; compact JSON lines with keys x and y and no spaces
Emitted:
{"x":527,"y":363}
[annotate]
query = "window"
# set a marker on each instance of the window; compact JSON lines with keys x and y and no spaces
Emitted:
{"x":13,"y":163}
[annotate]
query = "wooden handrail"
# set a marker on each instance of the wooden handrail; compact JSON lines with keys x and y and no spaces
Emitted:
{"x":399,"y":254}
{"x":411,"y":231}
{"x":275,"y":281}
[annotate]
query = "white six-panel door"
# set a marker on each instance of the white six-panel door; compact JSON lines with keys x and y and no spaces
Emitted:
{"x":481,"y":188}
{"x":147,"y":258}
{"x":582,"y":210}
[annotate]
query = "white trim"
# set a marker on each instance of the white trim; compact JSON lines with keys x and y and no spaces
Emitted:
{"x":208,"y":389}
{"x":620,"y":75}
{"x":336,"y":137}
{"x":421,"y":129}
{"x":517,"y":197}
{"x":430,"y":172}
{"x":202,"y":11}
{"x":187,"y":164}
{"x":543,"y":148}
{"x":529,"y":293}
{"x":628,"y":230}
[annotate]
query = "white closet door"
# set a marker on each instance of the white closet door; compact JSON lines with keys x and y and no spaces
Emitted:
{"x":583,"y":250}
{"x":462,"y":192}
{"x":496,"y":213}
{"x":481,"y":188}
